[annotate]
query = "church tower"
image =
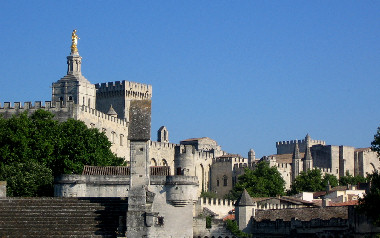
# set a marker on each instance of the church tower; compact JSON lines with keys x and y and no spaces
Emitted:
{"x":74,"y":86}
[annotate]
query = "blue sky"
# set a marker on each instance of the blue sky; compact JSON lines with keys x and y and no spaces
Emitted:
{"x":245,"y":73}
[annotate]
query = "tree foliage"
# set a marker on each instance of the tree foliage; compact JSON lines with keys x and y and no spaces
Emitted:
{"x":263,"y":181}
{"x":312,"y":181}
{"x":375,"y":145}
{"x":369,"y":204}
{"x":349,"y":179}
{"x":234,"y":228}
{"x":35,"y":149}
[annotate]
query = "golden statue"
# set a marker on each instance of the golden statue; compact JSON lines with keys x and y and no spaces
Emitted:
{"x":74,"y":42}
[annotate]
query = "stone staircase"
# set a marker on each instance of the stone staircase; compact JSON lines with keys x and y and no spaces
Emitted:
{"x":62,"y":217}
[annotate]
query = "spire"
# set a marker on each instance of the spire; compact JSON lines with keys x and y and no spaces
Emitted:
{"x":112,"y":112}
{"x":308,"y":154}
{"x":307,"y":139}
{"x":308,"y":160}
{"x":296,"y":161}
{"x":296,"y":152}
{"x":245,"y":199}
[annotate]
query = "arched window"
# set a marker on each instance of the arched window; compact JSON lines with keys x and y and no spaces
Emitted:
{"x":153,"y":162}
{"x":70,"y":98}
{"x":217,"y":182}
{"x":164,"y":162}
{"x":225,"y":180}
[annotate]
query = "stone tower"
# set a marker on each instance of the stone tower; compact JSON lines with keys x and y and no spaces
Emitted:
{"x":163,"y":135}
{"x":251,"y":156}
{"x":74,"y":86}
{"x":244,"y":209}
{"x":120,"y":94}
{"x":139,"y":198}
{"x":296,"y":160}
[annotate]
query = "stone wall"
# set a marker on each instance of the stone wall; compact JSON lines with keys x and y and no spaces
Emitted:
{"x":366,"y":161}
{"x":217,"y":229}
{"x":287,"y":147}
{"x":219,"y":206}
{"x":115,"y":129}
{"x":91,"y":186}
{"x":3,"y":189}
{"x":161,"y":153}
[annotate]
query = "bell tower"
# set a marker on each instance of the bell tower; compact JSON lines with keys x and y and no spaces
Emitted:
{"x":74,"y":86}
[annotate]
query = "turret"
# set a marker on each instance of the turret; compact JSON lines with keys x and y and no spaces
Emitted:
{"x":296,"y":160}
{"x":111,"y":112}
{"x":244,"y":210}
{"x":251,"y":156}
{"x":308,"y":160}
{"x":184,"y":160}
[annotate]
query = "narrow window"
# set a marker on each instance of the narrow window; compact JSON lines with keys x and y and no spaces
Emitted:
{"x":121,"y":139}
{"x":225,"y":180}
{"x":217,"y":182}
{"x":70,"y":98}
{"x":179,"y":171}
{"x":160,"y":221}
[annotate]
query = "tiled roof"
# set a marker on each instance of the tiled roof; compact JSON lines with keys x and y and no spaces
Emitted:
{"x":229,"y":217}
{"x":285,"y":158}
{"x":303,"y":214}
{"x":348,"y":203}
{"x":245,"y":199}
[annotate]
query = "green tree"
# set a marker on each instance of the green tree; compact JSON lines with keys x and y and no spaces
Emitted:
{"x":349,"y":179}
{"x":375,"y":144}
{"x":263,"y":181}
{"x":312,"y":181}
{"x":234,"y":228}
{"x":369,"y":204}
{"x":37,"y":148}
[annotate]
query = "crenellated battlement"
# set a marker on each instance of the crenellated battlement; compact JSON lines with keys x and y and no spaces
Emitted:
{"x":156,"y":144}
{"x":96,"y":113}
{"x":324,"y":170}
{"x":240,"y":166}
{"x":221,"y":160}
{"x":126,"y":88}
{"x":36,"y":105}
{"x":205,"y":155}
{"x":287,"y":147}
{"x":283,"y":165}
{"x":293,"y":142}
{"x":216,"y":202}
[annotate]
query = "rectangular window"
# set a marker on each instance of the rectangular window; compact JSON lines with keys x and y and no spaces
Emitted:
{"x":121,"y":139}
{"x":160,"y":221}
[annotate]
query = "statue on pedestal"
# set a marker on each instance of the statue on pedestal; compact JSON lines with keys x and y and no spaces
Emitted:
{"x":74,"y":42}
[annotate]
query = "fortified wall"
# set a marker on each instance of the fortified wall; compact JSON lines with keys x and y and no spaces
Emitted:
{"x":287,"y":147}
